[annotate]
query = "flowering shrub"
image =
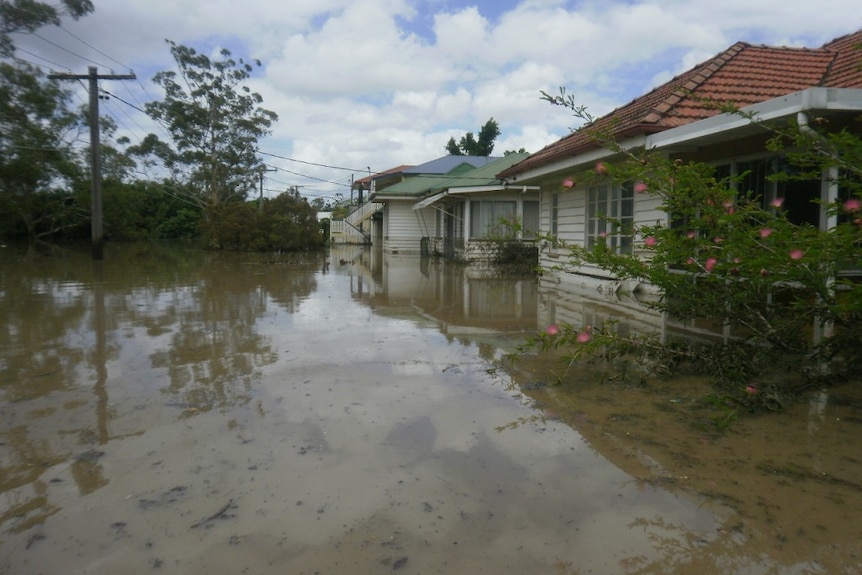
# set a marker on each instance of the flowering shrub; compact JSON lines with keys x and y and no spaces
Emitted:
{"x":724,"y":257}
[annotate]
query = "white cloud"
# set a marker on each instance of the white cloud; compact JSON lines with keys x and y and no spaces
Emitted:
{"x":378,"y":83}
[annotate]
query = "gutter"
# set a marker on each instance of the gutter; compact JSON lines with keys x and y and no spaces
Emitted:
{"x":823,"y":99}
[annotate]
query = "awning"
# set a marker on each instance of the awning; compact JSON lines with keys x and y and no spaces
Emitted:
{"x":471,"y":190}
{"x":428,"y":201}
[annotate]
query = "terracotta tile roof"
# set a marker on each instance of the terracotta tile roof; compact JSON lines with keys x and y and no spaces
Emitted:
{"x":845,"y":70}
{"x":742,"y":75}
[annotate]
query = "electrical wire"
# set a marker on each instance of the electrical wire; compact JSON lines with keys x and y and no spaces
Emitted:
{"x":90,"y":46}
{"x":19,"y":49}
{"x":37,"y":35}
{"x":259,"y":151}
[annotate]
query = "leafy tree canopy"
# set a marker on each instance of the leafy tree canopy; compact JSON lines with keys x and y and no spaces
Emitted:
{"x":470,"y":146}
{"x":214,"y":122}
{"x":30,"y":15}
{"x":37,"y":130}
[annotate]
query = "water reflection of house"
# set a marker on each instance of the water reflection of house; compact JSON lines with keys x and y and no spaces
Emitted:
{"x":590,"y":303}
{"x":460,"y":300}
{"x":774,"y":84}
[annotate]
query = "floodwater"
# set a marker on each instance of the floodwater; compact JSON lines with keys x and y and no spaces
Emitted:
{"x":177,"y":411}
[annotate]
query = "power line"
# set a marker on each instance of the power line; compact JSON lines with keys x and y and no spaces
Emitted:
{"x":309,"y":177}
{"x":36,"y":34}
{"x":129,"y":104}
{"x":160,"y":123}
{"x":127,"y":115}
{"x":313,"y":163}
{"x":90,"y":46}
{"x":19,"y":49}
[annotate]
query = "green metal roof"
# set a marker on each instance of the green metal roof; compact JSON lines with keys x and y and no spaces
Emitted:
{"x":463,"y":175}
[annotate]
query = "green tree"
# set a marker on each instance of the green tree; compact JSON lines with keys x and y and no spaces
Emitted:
{"x":318,"y":204}
{"x":37,"y":161}
{"x":288,"y":223}
{"x":470,"y":146}
{"x":30,"y":15}
{"x":214,"y":121}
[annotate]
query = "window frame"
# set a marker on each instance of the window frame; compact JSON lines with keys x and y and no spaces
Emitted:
{"x":610,"y":216}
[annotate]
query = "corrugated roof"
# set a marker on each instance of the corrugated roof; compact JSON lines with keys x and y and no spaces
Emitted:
{"x":446,"y":164}
{"x":462,"y":175}
{"x":487,"y":174}
{"x":742,"y":75}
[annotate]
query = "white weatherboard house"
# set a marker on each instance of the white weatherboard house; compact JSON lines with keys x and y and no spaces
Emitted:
{"x":774,"y":83}
{"x":472,"y":212}
{"x":404,"y":227}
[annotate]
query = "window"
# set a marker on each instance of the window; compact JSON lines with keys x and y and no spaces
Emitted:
{"x":610,"y":216}
{"x":801,"y":195}
{"x":530,"y":219}
{"x":754,"y":180}
{"x":555,"y":212}
{"x":487,"y":218}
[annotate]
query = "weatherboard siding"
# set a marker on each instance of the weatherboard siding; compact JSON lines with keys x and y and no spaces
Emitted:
{"x":572,"y":226}
{"x":403,"y":232}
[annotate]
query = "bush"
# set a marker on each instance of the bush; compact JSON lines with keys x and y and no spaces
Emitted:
{"x":779,"y":286}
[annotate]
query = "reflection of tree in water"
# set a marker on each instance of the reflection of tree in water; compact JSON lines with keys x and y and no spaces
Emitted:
{"x":67,"y":321}
{"x":292,"y":280}
{"x":24,"y":460}
{"x":216,"y":353}
{"x":39,"y":314}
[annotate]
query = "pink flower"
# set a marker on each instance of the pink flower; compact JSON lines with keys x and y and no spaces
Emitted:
{"x":689,"y":261}
{"x":568,"y":183}
{"x":764,"y":272}
{"x":751,"y":389}
{"x":640,"y":187}
{"x":717,"y":239}
{"x":650,"y":241}
{"x":583,"y":337}
{"x":601,"y":168}
{"x":765,"y":232}
{"x":853,"y":205}
{"x":728,"y":206}
{"x":796,"y":254}
{"x":552,"y":329}
{"x":603,"y":234}
{"x":710,"y":264}
{"x":690,"y":234}
{"x":777,"y":202}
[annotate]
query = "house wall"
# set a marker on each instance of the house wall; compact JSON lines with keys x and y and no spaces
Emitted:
{"x":572,"y":229}
{"x":405,"y":227}
{"x":572,"y":219}
{"x":466,"y":249}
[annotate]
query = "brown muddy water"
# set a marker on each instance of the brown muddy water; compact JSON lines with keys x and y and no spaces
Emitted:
{"x":177,"y":411}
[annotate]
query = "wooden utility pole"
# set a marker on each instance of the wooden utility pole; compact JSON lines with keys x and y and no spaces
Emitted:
{"x":98,"y":237}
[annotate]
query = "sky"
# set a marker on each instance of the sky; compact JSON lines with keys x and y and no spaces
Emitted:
{"x":366,"y":85}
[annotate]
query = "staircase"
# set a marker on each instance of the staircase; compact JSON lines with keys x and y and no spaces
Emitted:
{"x":347,"y":231}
